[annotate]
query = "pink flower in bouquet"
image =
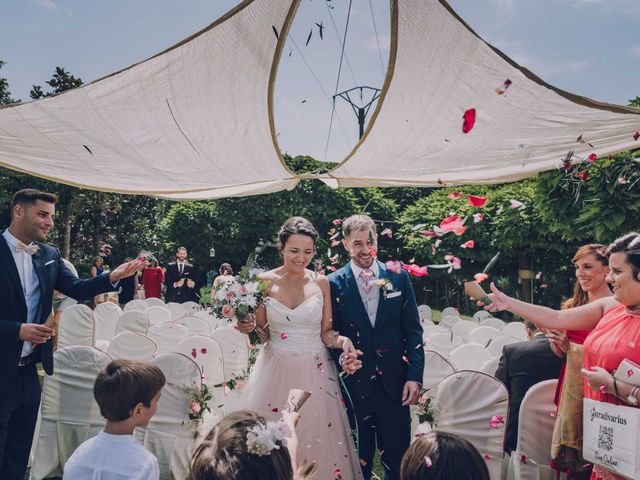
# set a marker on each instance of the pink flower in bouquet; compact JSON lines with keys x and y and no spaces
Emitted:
{"x":228,"y":311}
{"x":496,"y":420}
{"x":194,"y":407}
{"x":230,"y":295}
{"x":424,"y":398}
{"x":243,"y":290}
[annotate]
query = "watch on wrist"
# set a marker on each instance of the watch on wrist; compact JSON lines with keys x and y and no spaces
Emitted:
{"x":631,"y":398}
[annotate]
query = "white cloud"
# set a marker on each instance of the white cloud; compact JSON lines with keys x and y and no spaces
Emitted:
{"x":48,"y":4}
{"x":635,"y":51}
{"x":384,"y":39}
{"x":503,"y":4}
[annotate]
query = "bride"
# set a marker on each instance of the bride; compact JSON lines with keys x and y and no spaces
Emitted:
{"x":296,"y":322}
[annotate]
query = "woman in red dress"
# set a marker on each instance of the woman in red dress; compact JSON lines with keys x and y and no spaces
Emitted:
{"x":616,"y":328}
{"x":152,"y":278}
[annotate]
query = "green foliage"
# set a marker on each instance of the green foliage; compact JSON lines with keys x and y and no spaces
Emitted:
{"x":60,"y":82}
{"x":5,"y":95}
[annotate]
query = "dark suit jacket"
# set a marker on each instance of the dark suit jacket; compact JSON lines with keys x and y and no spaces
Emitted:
{"x":184,"y":293}
{"x":52,"y":274}
{"x":392,"y":349}
{"x":522,"y":365}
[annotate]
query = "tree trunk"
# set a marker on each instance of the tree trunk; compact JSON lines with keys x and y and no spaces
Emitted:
{"x":66,"y":231}
{"x":525,"y":277}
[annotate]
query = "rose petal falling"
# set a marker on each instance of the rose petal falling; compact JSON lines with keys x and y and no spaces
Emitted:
{"x":469,"y":118}
{"x":480,"y":277}
{"x":515,"y":203}
{"x":592,"y":158}
{"x":468,"y":244}
{"x":416,"y":271}
{"x":505,"y":86}
{"x":454,"y":195}
{"x":477,"y":201}
{"x":393,"y":266}
{"x":283,"y":336}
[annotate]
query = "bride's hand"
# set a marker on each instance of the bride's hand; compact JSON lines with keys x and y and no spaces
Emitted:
{"x":350,"y":363}
{"x":248,"y":325}
{"x":499,"y":300}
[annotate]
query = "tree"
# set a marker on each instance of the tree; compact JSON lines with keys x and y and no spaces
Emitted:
{"x":5,"y":96}
{"x":60,"y":82}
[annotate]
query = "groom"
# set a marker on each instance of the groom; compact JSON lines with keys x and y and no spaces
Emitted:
{"x":376,"y":309}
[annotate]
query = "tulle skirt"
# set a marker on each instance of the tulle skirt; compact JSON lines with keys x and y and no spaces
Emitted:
{"x":324,"y":434}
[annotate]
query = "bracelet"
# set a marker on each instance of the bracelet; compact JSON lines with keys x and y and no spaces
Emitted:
{"x":615,"y":387}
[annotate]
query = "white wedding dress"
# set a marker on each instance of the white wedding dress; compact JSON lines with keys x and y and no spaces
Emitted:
{"x":295,"y":357}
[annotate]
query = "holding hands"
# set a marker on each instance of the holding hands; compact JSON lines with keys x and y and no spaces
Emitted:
{"x":349,"y":358}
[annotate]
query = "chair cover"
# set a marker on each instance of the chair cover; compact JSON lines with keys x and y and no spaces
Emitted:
{"x":132,"y":346}
{"x":437,"y":367}
{"x":468,"y":401}
{"x":449,"y":321}
{"x":442,"y":342}
{"x":153,"y":302}
{"x":69,"y":413}
{"x":235,"y":351}
{"x":498,"y":343}
{"x":424,"y":312}
{"x":480,"y":315}
{"x":426,"y":323}
{"x":167,"y":336}
{"x":463,"y":328}
{"x":105,"y":317}
{"x":158,"y":314}
{"x":483,"y":335}
{"x":191,"y":307}
{"x":535,"y":429}
{"x":133,"y":321}
{"x":195,"y":325}
{"x":177,"y":310}
{"x":170,"y":434}
{"x":428,"y":330}
{"x":492,"y":322}
{"x":490,"y":367}
{"x":470,"y":356}
{"x":137,"y":305}
{"x":209,"y":318}
{"x":515,"y":329}
{"x":450,"y":311}
{"x":76,"y":327}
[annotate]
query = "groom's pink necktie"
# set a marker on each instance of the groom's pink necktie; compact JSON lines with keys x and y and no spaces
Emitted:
{"x":365,"y":280}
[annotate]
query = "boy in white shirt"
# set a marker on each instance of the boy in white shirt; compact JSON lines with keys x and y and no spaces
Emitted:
{"x":127,"y":392}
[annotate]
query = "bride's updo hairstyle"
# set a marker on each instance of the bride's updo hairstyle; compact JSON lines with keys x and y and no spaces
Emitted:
{"x":296,"y":226}
{"x":628,"y":244}
{"x":224,"y":455}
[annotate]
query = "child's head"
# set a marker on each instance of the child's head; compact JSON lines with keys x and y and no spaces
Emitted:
{"x":442,"y":456}
{"x":128,"y":389}
{"x":225,"y":453}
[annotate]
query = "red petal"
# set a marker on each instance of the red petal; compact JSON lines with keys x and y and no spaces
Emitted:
{"x":203,"y":351}
{"x":429,"y":233}
{"x":468,"y":244}
{"x":337,"y":221}
{"x":451,"y":223}
{"x":480,"y":277}
{"x":415,"y":270}
{"x":477,"y":201}
{"x":394,"y":266}
{"x":194,"y":353}
{"x":636,"y":135}
{"x":469,"y":120}
{"x":454,"y":195}
{"x":592,"y":158}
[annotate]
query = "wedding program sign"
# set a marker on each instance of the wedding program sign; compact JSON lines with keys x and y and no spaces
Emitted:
{"x":611,"y":436}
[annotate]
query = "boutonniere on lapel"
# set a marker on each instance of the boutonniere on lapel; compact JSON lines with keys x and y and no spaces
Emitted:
{"x":385,"y":286}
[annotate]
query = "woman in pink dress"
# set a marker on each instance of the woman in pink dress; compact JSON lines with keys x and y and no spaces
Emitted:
{"x":616,"y":328}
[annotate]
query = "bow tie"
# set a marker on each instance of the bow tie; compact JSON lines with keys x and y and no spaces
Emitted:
{"x":29,"y":249}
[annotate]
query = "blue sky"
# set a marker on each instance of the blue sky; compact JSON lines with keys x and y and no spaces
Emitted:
{"x":589,"y":47}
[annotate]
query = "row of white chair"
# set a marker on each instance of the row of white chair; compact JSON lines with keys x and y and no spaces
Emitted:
{"x":141,"y":305}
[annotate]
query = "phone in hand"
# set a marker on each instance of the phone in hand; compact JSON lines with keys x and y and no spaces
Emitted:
{"x":473,"y":289}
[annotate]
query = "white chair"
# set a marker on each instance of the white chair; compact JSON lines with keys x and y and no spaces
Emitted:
{"x":195,"y":325}
{"x":105,"y":318}
{"x":166,"y":336}
{"x":176,"y":309}
{"x":515,"y":329}
{"x":235,"y":351}
{"x":424,"y":312}
{"x":154,"y":302}
{"x":442,"y":343}
{"x":76,"y":327}
{"x":463,"y":328}
{"x":498,"y":343}
{"x":431,"y":329}
{"x":69,"y":413}
{"x":190,"y":307}
{"x":467,"y":402}
{"x":450,"y":311}
{"x":213,"y":322}
{"x":449,"y":321}
{"x":132,"y":346}
{"x":483,"y":335}
{"x":492,"y":322}
{"x":480,"y":315}
{"x":133,"y":321}
{"x":490,"y":367}
{"x":136,"y":305}
{"x":207,"y":354}
{"x":437,"y":367}
{"x":426,"y":323}
{"x":470,"y":356}
{"x":158,"y":314}
{"x":531,"y":458}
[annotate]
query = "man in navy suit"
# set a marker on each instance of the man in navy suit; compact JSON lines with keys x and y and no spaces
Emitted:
{"x":29,"y":272}
{"x":376,"y":308}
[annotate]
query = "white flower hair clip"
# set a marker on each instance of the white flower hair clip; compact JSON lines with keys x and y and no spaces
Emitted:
{"x":261,"y":439}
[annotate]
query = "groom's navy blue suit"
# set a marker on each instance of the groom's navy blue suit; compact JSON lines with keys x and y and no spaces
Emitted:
{"x":392,"y":355}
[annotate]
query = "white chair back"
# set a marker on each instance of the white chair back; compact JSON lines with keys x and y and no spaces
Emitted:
{"x":450,"y":311}
{"x":76,"y":327}
{"x":190,"y":307}
{"x":515,"y":329}
{"x":431,"y":329}
{"x":492,"y":322}
{"x":426,"y":323}
{"x":463,"y":328}
{"x":167,"y":336}
{"x":177,"y":310}
{"x":154,"y":302}
{"x":235,"y":351}
{"x":132,"y":321}
{"x":424,"y":312}
{"x":467,"y":402}
{"x":158,"y":314}
{"x":498,"y":343}
{"x":483,"y":335}
{"x":213,"y":322}
{"x":195,"y":325}
{"x":105,"y":317}
{"x":535,"y":429}
{"x":69,"y":413}
{"x":470,"y":356}
{"x":207,"y":354}
{"x":480,"y":315}
{"x":132,"y":346}
{"x":449,"y":321}
{"x":442,"y":343}
{"x":490,"y":367}
{"x":437,"y":368}
{"x":136,"y":305}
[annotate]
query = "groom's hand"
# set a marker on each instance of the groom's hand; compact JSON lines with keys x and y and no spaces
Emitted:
{"x":410,"y":393}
